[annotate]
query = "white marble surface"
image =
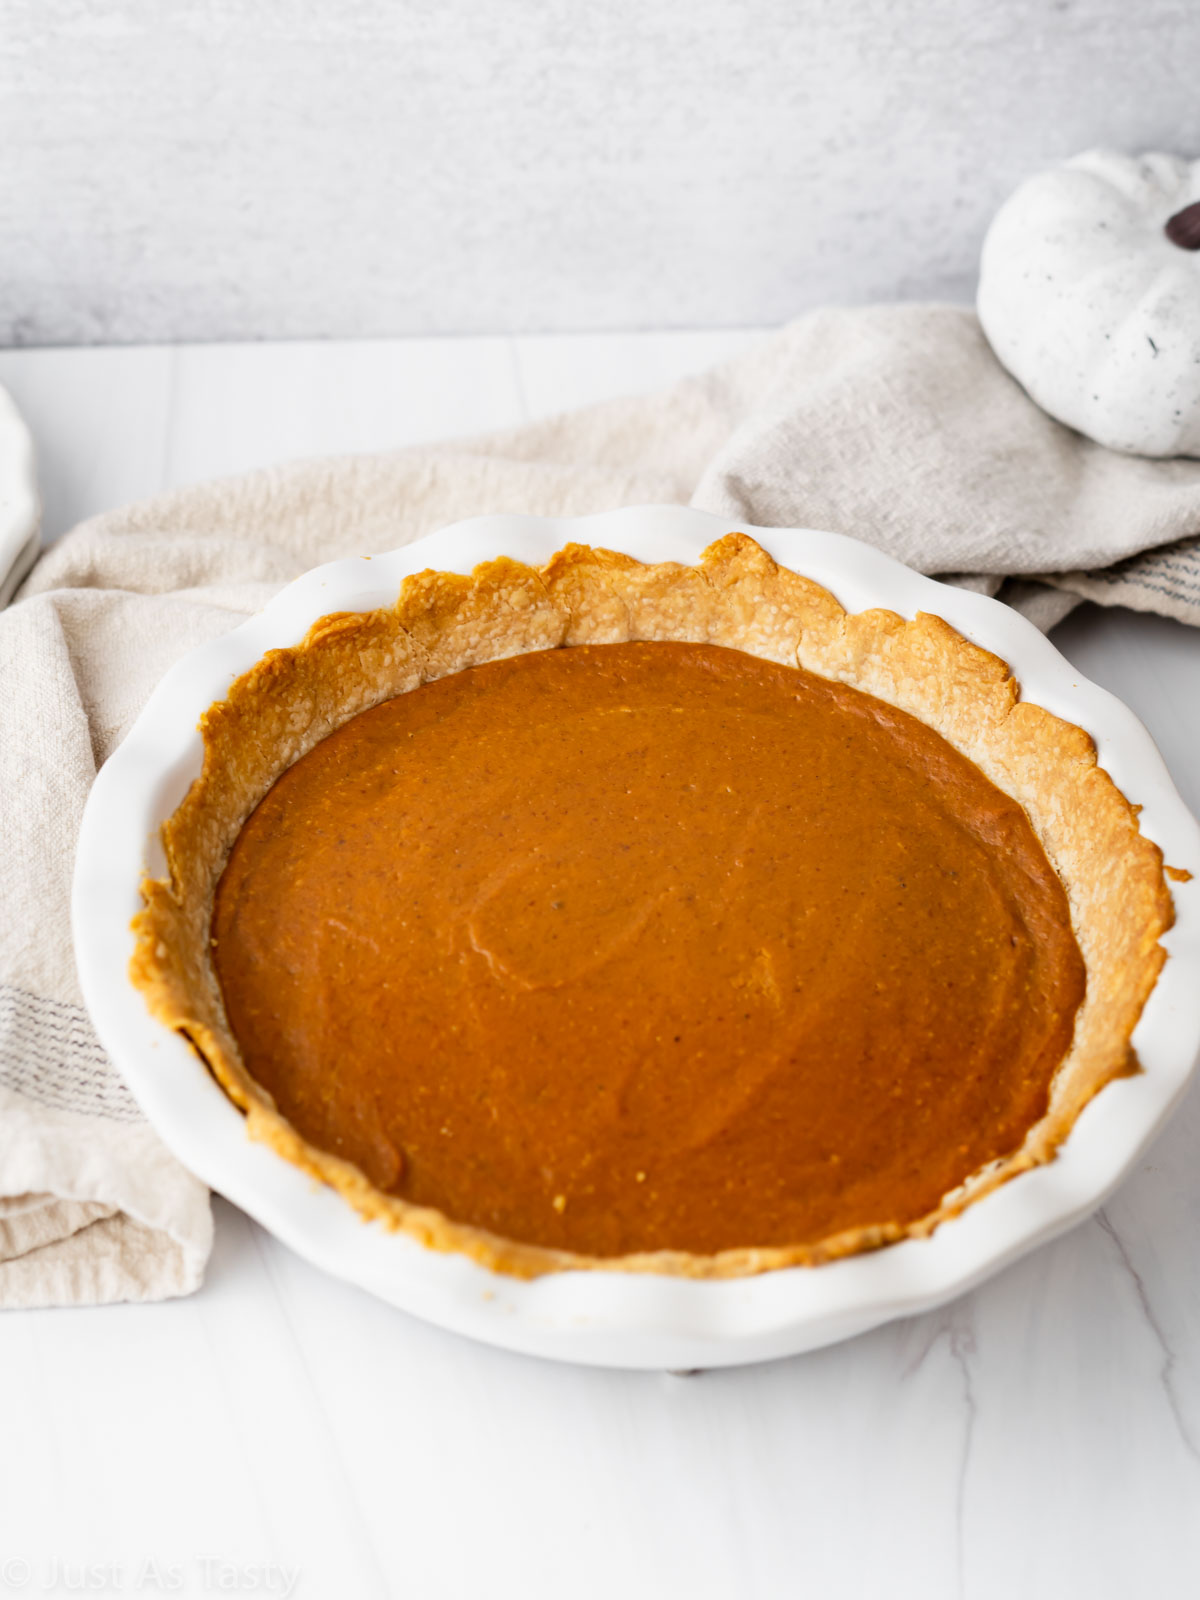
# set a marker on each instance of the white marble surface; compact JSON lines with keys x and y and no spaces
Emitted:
{"x":1039,"y":1438}
{"x":305,"y":168}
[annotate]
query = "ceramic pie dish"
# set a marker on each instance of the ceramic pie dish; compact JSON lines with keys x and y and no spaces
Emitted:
{"x":634,"y":1317}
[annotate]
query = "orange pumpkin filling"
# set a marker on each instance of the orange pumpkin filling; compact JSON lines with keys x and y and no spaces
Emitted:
{"x":644,"y":946}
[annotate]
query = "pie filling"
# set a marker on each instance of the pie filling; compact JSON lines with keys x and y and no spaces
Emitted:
{"x":648,"y":946}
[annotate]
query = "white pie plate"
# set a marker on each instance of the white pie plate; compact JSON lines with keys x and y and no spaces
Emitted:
{"x":619,"y":1319}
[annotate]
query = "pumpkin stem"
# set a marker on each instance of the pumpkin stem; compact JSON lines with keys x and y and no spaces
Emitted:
{"x":1183,"y":228}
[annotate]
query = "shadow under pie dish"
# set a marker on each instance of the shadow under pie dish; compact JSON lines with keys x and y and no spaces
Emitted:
{"x":651,"y":917}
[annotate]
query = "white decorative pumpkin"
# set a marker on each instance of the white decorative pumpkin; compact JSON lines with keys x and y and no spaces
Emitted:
{"x":1089,"y":292}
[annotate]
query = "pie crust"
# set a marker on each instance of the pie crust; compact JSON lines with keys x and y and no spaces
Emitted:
{"x":737,"y":597}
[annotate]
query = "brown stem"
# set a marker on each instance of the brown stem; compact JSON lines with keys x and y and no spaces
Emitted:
{"x":1183,"y":228}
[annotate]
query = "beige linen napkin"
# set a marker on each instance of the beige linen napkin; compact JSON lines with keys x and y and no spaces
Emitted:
{"x":892,"y":424}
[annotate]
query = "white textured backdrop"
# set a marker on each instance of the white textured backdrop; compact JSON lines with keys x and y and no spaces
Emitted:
{"x":266,"y":168}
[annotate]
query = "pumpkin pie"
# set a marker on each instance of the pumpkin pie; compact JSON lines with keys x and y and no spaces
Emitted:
{"x":652,"y":917}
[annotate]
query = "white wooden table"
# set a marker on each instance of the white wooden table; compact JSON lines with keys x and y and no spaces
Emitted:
{"x":280,"y":1432}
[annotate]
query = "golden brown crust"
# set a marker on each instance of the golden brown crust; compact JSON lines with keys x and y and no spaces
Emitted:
{"x":738,"y":597}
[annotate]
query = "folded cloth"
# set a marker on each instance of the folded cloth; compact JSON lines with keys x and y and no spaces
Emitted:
{"x":894,"y":424}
